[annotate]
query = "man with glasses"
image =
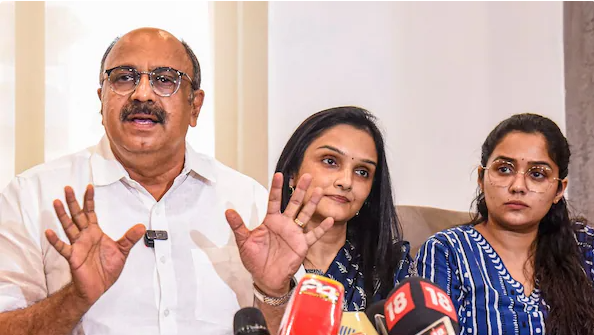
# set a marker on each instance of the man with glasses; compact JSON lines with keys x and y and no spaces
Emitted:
{"x":82,"y":270}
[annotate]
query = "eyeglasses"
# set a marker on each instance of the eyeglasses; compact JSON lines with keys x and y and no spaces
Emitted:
{"x":537,"y":178}
{"x":165,"y":81}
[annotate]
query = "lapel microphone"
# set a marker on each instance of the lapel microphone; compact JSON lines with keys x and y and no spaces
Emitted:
{"x":151,"y":235}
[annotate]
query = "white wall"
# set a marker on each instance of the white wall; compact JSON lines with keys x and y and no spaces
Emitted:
{"x":439,"y":76}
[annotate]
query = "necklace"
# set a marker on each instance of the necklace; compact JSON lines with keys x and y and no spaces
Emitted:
{"x":315,"y":271}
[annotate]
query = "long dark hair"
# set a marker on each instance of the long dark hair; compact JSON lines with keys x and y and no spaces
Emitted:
{"x":376,"y":230}
{"x":557,"y":257}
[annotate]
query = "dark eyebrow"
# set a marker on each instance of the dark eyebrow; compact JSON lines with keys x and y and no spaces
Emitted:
{"x":123,"y":65}
{"x":134,"y":67}
{"x":329,"y":147}
{"x":509,"y":159}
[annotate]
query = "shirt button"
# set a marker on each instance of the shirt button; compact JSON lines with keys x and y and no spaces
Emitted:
{"x":163,"y":259}
{"x":166,"y":313}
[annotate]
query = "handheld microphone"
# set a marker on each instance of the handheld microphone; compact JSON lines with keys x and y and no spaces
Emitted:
{"x":315,"y":308}
{"x":375,"y":313}
{"x":355,"y":323}
{"x":249,"y":321}
{"x":416,"y":304}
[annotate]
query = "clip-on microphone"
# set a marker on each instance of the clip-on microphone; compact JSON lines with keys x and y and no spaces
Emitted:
{"x":151,"y":235}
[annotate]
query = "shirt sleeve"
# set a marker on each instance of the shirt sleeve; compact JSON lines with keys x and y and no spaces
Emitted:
{"x":22,"y":277}
{"x":436,"y":262}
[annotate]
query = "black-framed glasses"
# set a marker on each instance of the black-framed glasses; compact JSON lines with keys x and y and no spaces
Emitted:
{"x":165,"y":81}
{"x":537,"y":178}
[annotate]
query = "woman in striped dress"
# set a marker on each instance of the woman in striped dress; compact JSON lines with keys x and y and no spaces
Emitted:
{"x":522,"y":266}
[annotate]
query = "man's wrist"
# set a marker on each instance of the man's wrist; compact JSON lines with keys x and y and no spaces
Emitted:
{"x":277,"y":298}
{"x":75,"y":300}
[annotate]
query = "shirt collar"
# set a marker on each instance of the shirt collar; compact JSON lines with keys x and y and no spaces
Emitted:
{"x":106,"y":169}
{"x":201,"y":164}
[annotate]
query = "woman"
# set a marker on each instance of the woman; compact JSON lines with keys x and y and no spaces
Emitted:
{"x":338,"y":157}
{"x":522,"y":266}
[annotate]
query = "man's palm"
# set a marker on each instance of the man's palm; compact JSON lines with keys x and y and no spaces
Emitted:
{"x":273,"y":251}
{"x":96,"y":261}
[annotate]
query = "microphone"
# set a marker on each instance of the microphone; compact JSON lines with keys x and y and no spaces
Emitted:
{"x":151,"y":235}
{"x":249,"y":321}
{"x":442,"y":326}
{"x":415,"y":305}
{"x":375,"y":313}
{"x":315,"y":308}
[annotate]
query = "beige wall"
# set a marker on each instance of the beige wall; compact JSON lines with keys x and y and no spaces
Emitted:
{"x":7,"y":91}
{"x":29,"y":84}
{"x":241,"y":86}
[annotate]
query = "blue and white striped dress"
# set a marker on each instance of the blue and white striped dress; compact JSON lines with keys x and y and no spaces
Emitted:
{"x":487,"y":298}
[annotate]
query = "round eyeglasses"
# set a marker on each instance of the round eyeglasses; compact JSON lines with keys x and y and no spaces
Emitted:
{"x":165,"y":81}
{"x":537,"y":178}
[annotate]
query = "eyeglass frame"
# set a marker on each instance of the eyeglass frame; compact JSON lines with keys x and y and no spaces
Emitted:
{"x":149,"y":73}
{"x":486,"y":168}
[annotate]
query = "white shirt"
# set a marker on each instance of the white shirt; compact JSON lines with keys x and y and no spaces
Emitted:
{"x":192,"y":283}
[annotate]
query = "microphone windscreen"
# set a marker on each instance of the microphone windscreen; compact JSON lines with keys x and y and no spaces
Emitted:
{"x":415,"y":304}
{"x":375,"y":314}
{"x":375,"y":308}
{"x":315,"y":308}
{"x":442,"y":326}
{"x":249,"y":321}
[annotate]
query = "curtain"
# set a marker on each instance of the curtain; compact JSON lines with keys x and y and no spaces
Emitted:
{"x":579,"y":102}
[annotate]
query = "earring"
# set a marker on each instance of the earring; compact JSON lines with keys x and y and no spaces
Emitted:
{"x":356,"y":214}
{"x":291,"y":190}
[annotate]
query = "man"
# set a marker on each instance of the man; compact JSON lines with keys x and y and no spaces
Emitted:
{"x":142,"y":171}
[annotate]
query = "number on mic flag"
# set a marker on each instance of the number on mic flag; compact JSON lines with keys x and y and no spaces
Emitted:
{"x":317,"y":288}
{"x":315,"y":308}
{"x":398,"y":305}
{"x":438,"y":300}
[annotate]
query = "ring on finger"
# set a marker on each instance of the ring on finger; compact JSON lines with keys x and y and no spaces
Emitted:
{"x":299,"y":223}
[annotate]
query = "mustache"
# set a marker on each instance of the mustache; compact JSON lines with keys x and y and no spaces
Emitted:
{"x":146,"y":108}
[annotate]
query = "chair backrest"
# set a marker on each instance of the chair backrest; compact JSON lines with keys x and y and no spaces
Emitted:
{"x":419,"y":223}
